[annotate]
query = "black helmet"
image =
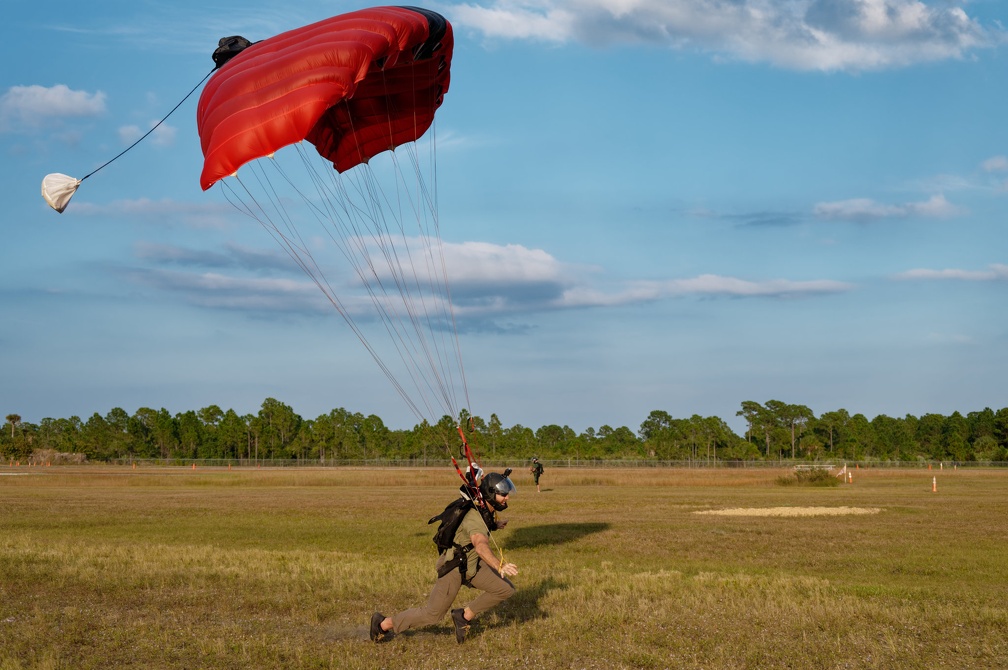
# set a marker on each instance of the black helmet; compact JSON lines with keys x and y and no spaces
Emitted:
{"x":493,"y":484}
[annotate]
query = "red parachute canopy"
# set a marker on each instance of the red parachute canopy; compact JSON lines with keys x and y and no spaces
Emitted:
{"x":354,"y":85}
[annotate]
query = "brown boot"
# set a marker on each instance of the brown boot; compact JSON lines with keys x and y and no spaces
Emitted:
{"x":377,"y":634}
{"x":461,"y":625}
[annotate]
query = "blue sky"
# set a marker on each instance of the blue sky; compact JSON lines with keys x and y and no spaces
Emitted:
{"x":668,"y":204}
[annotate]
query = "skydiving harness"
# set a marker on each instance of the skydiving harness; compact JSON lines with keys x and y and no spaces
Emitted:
{"x":451,"y":518}
{"x":444,"y":537}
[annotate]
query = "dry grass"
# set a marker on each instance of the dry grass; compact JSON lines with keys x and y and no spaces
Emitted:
{"x":791,"y":511}
{"x":172,"y":568}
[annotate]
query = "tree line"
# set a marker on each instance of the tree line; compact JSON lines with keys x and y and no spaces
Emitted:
{"x":775,"y":431}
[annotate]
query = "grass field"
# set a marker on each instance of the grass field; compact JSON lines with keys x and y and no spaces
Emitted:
{"x":181,"y":568}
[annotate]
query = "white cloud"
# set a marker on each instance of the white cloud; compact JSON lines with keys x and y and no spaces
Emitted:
{"x":794,"y":34}
{"x":995,"y":164}
{"x":951,"y":338}
{"x":194,"y":215}
{"x":936,"y":207}
{"x":487,"y":282}
{"x":857,"y":209}
{"x":515,"y":22}
{"x":484,"y":262}
{"x":995,"y":272}
{"x":129,"y":134}
{"x":219,"y":291}
{"x":32,"y":106}
{"x":732,"y":286}
{"x":489,"y":279}
{"x":866,"y":209}
{"x":232,"y":256}
{"x":162,"y":136}
{"x":707,"y":285}
{"x":212,"y":281}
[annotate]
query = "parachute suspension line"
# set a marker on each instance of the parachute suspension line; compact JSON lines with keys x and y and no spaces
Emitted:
{"x":357,"y":262}
{"x":163,"y":119}
{"x":367,"y":189}
{"x":414,"y":302}
{"x":448,"y":306}
{"x":286,"y":240}
{"x":451,"y":303}
{"x":299,"y":252}
{"x":430,"y":197}
{"x":354,"y":246}
{"x":438,"y":323}
{"x":437,"y":278}
{"x":314,"y":273}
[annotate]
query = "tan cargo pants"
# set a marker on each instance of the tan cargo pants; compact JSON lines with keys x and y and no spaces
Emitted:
{"x":495,"y":590}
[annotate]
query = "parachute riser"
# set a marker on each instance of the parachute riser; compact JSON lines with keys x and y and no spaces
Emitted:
{"x":471,"y":481}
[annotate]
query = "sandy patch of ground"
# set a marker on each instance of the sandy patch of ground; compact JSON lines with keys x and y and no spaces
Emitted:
{"x":791,"y":511}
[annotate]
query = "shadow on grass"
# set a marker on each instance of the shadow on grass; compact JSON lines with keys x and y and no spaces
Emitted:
{"x":530,"y":537}
{"x":525,"y":605}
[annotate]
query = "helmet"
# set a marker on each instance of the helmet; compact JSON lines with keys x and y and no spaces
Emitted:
{"x":473,"y":475}
{"x":493,"y":484}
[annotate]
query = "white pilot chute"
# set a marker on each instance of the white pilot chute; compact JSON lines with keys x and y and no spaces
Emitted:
{"x":58,"y":188}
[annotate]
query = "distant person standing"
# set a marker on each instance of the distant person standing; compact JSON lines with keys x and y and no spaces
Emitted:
{"x":536,"y":470}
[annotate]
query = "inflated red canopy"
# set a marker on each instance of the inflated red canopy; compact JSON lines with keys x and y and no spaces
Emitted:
{"x":354,"y":85}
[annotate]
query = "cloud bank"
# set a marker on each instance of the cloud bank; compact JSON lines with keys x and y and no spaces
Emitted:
{"x":487,"y":282}
{"x":864,"y":210}
{"x":34,"y":106}
{"x":825,"y":35}
{"x":994,"y":272}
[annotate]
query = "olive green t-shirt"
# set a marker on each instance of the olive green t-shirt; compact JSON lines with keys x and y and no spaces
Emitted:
{"x":472,"y":522}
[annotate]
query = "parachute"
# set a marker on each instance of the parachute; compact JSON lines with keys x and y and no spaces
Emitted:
{"x":361,"y":90}
{"x":325,"y":135}
{"x":354,"y":85}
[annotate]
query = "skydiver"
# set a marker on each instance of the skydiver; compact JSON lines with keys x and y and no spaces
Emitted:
{"x":477,"y":568}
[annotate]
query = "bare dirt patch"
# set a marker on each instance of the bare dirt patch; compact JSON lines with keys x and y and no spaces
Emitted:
{"x":791,"y":511}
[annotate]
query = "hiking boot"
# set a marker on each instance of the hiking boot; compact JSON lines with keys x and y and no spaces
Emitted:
{"x":461,"y":625}
{"x":377,"y":634}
